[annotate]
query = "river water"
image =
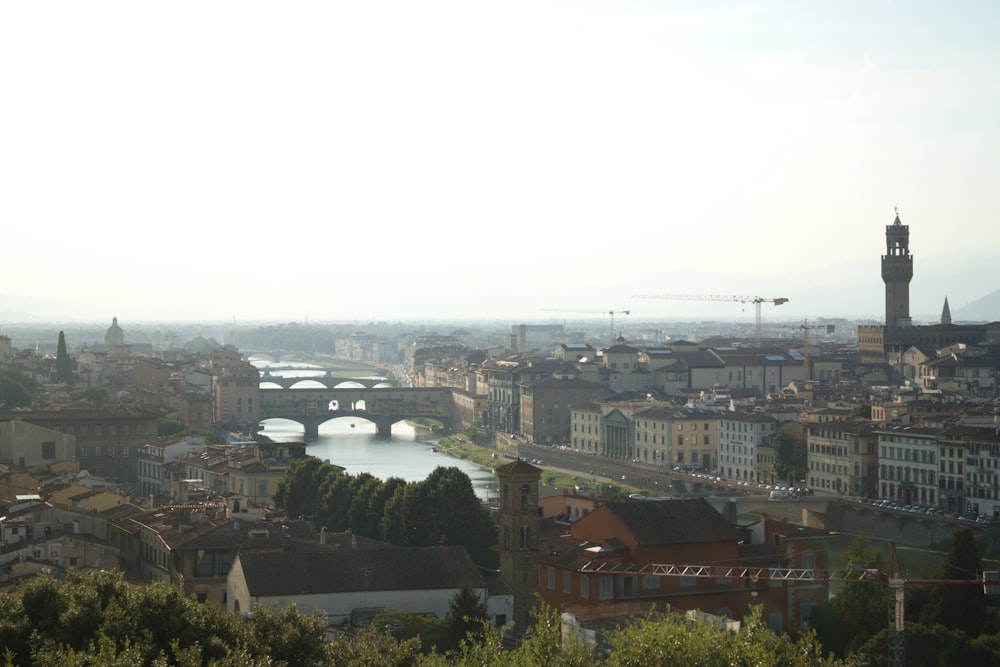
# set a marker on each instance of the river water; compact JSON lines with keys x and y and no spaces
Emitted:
{"x":350,"y":442}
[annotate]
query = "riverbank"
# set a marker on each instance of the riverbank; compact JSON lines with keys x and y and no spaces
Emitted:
{"x":553,"y":480}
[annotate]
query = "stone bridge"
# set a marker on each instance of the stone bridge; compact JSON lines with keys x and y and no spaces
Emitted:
{"x":382,"y":405}
{"x":328,"y":380}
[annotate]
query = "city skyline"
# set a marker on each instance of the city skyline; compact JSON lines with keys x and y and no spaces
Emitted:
{"x":455,"y":160}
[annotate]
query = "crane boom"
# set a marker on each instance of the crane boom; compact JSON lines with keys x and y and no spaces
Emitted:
{"x":893,"y":578}
{"x":755,"y":300}
{"x":595,"y":312}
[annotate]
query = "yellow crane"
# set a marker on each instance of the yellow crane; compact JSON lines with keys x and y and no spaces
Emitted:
{"x":612,"y":313}
{"x":755,"y":300}
{"x":806,"y":328}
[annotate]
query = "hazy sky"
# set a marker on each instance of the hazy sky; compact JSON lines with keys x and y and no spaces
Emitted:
{"x":445,"y":160}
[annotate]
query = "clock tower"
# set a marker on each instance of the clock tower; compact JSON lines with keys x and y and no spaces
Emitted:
{"x":897,"y":271}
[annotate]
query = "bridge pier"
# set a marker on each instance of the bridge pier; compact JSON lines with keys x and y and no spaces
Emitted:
{"x":312,"y":429}
{"x":383,"y":428}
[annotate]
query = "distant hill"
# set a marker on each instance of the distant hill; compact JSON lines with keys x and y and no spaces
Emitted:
{"x":983,"y":309}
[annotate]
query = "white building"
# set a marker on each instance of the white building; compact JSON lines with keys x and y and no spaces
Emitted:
{"x":153,"y":476}
{"x":908,"y":468}
{"x":740,"y":434}
{"x":350,"y":585}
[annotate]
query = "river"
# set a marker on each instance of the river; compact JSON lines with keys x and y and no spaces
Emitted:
{"x":350,"y":442}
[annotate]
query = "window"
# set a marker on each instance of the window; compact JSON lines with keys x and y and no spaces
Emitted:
{"x":584,"y":586}
{"x":650,"y":582}
{"x":567,"y":584}
{"x":607,"y":587}
{"x":49,"y":449}
{"x":551,"y":578}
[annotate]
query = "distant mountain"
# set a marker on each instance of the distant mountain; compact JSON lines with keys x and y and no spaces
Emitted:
{"x":983,"y":309}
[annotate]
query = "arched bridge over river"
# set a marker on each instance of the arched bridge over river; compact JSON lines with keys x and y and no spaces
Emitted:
{"x":311,"y":406}
{"x":328,"y":380}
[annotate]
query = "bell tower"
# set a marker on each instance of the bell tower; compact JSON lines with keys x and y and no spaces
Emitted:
{"x":897,"y":271}
{"x":518,"y":518}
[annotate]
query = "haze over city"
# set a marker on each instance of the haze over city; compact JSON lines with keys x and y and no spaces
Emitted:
{"x":462,"y":160}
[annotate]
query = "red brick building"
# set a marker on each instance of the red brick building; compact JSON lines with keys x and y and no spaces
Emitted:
{"x":609,"y":563}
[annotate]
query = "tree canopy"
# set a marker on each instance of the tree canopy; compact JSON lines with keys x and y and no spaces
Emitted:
{"x":440,"y":510}
{"x":15,"y":390}
{"x":97,"y":618}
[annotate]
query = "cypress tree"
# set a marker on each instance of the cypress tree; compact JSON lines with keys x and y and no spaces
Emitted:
{"x":64,"y":365}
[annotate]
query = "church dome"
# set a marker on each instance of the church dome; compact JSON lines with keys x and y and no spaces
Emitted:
{"x":114,"y":337}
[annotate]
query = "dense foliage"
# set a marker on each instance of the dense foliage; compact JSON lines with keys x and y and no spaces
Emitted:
{"x":792,"y":452}
{"x":96,"y":618}
{"x":15,"y":389}
{"x":440,"y":510}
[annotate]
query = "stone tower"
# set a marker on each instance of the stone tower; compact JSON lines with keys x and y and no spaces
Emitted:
{"x":897,"y":271}
{"x":519,"y":536}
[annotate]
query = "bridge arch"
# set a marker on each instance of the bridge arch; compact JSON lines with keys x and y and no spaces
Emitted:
{"x":326,"y":381}
{"x":385,"y":406}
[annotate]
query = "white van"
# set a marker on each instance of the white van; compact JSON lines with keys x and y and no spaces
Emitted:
{"x":777,"y":495}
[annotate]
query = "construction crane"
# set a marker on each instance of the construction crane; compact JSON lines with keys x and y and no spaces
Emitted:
{"x":612,"y":313}
{"x":806,"y":328}
{"x":755,"y":300}
{"x":894,"y":578}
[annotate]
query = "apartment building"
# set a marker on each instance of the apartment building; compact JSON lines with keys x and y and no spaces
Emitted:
{"x":503,"y":379}
{"x":741,"y":434}
{"x":842,"y":457}
{"x":236,"y":395}
{"x":546,"y":404}
{"x":979,"y":450}
{"x":108,"y":438}
{"x":154,"y":476}
{"x":908,"y":466}
{"x":34,"y":447}
{"x":677,"y":437}
{"x":585,"y":425}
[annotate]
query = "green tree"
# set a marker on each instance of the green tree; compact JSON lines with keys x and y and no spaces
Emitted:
{"x":432,"y":632}
{"x":373,"y":647}
{"x":791,"y":451}
{"x":298,"y":489}
{"x":64,"y":365}
{"x":958,"y":606}
{"x":442,"y":509}
{"x":202,"y":345}
{"x":286,"y":635}
{"x":467,"y":614}
{"x":860,"y":608}
{"x":91,"y":394}
{"x":14,"y":391}
{"x":167,"y":427}
{"x":671,"y":639}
